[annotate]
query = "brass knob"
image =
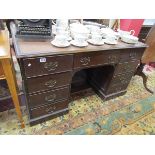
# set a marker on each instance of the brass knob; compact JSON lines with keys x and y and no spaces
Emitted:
{"x":50,"y":109}
{"x":51,"y":83}
{"x":50,"y":98}
{"x":51,"y":66}
{"x":85,"y":60}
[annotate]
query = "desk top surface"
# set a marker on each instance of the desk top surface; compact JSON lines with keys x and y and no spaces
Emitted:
{"x":39,"y":48}
{"x":30,"y":49}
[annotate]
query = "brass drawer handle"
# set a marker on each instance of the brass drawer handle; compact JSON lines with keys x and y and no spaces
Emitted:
{"x":50,"y":98}
{"x":85,"y":60}
{"x":51,"y":66}
{"x":51,"y":83}
{"x":50,"y":109}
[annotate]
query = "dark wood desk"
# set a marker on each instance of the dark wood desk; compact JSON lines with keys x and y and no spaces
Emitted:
{"x":52,"y":76}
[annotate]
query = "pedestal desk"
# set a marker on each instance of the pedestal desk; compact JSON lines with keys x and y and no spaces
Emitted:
{"x":53,"y":76}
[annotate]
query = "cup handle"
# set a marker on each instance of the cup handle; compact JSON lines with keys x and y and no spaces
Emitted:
{"x":132,"y":32}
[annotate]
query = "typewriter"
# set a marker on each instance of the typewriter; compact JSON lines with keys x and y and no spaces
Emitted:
{"x":34,"y":28}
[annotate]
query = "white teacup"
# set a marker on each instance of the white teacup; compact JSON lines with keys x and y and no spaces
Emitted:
{"x":80,"y":39}
{"x":96,"y":30}
{"x":61,"y":23}
{"x":122,"y":33}
{"x":60,"y":29}
{"x":96,"y":37}
{"x":64,"y":33}
{"x":111,"y":38}
{"x":61,"y":39}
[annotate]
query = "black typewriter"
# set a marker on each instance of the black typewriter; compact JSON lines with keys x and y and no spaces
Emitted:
{"x":34,"y":28}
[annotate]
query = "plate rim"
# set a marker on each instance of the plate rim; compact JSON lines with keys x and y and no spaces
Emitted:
{"x":89,"y":41}
{"x":60,"y":46}
{"x":72,"y":43}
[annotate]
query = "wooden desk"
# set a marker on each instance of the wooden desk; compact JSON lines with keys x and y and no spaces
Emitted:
{"x":7,"y":71}
{"x":53,"y":76}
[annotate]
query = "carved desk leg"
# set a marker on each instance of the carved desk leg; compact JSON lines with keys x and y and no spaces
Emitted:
{"x":139,"y":72}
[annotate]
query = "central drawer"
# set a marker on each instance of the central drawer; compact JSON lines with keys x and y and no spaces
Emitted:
{"x":48,"y":109}
{"x":83,"y":60}
{"x":47,"y":82}
{"x":49,"y":97}
{"x":47,"y":65}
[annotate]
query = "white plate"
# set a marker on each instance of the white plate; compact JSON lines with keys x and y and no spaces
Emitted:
{"x":129,"y":42}
{"x":96,"y":43}
{"x":73,"y":42}
{"x":60,"y":45}
{"x":110,"y":42}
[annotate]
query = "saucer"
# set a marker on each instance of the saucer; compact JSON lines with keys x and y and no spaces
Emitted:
{"x":91,"y":41}
{"x":73,"y":42}
{"x":128,"y":42}
{"x":110,"y":42}
{"x":60,"y":45}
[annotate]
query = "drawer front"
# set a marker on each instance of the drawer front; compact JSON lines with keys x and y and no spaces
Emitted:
{"x":116,"y":88}
{"x":48,"y":109}
{"x":126,"y":67}
{"x":121,"y":79}
{"x":131,"y":54}
{"x":83,"y":60}
{"x":48,"y":82}
{"x":46,"y":65}
{"x":48,"y":97}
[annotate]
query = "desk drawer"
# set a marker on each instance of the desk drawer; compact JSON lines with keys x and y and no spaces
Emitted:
{"x":83,"y":60}
{"x":48,"y":109}
{"x":46,"y":65}
{"x":48,"y":97}
{"x":126,"y":67}
{"x":46,"y":82}
{"x":131,"y":54}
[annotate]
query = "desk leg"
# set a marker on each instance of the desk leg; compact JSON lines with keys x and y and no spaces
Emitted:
{"x":7,"y":67}
{"x":139,"y":72}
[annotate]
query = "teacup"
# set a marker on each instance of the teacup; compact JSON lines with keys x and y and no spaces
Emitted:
{"x":111,"y":38}
{"x":96,"y":37}
{"x":60,"y":29}
{"x":94,"y":29}
{"x":122,"y":33}
{"x":61,"y":39}
{"x":80,"y":39}
{"x":61,"y":23}
{"x":65,"y":33}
